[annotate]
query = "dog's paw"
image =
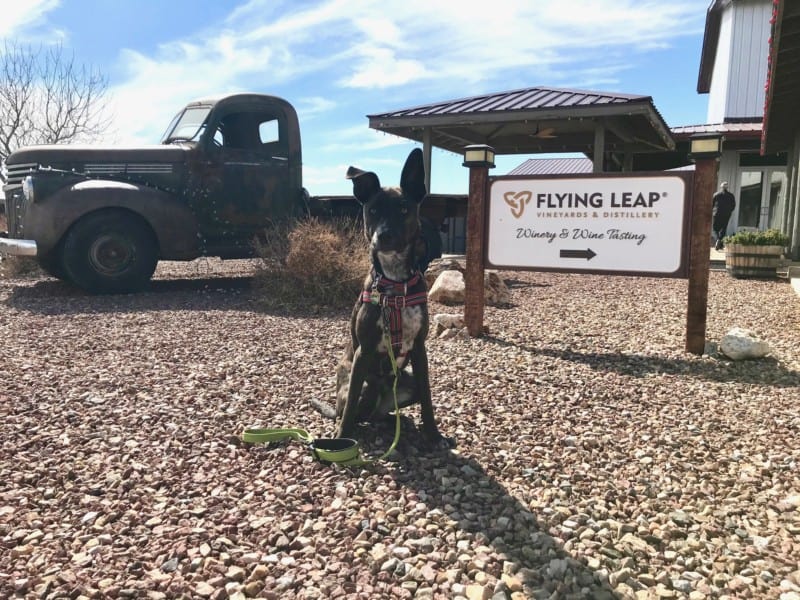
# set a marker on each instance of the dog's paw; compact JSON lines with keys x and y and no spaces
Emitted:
{"x":438,"y":441}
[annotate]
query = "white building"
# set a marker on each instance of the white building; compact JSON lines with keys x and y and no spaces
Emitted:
{"x":733,"y":72}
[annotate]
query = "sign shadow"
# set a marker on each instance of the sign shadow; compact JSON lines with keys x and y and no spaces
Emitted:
{"x":641,"y":365}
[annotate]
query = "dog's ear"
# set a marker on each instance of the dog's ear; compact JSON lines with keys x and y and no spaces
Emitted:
{"x":365,"y":183}
{"x":412,"y":181}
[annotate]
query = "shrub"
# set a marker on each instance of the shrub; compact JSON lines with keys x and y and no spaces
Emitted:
{"x":770,"y":237}
{"x":312,"y":264}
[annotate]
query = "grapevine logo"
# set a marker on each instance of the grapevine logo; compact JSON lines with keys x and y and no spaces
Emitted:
{"x":517,"y":202}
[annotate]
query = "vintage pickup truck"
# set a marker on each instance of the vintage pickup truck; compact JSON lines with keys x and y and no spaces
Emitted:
{"x":225,"y":169}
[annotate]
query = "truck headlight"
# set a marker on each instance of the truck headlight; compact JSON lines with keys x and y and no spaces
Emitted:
{"x":27,"y":188}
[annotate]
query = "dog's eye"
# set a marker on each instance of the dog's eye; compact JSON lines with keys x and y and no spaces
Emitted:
{"x":373,"y":211}
{"x":403,"y":210}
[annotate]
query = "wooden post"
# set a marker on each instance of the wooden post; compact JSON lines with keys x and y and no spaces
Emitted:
{"x":473,"y":275}
{"x":599,"y":147}
{"x":705,"y":175}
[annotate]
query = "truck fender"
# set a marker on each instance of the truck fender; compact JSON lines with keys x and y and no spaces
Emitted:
{"x":173,"y":223}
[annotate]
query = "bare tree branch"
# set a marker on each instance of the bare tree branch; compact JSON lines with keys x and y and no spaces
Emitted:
{"x":47,"y":98}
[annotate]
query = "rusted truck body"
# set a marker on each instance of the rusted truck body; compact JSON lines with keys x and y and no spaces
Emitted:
{"x":225,"y":169}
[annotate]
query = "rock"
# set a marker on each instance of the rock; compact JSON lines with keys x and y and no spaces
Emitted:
{"x":557,"y":568}
{"x":495,"y":289}
{"x":204,"y":589}
{"x":479,"y":592}
{"x":448,"y":288}
{"x":170,"y":565}
{"x":443,"y":322}
{"x":742,"y":344}
{"x":440,"y":265}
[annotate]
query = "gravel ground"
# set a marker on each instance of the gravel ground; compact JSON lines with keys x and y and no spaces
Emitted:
{"x":595,"y":458}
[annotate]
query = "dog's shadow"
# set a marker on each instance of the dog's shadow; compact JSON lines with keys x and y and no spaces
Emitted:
{"x":472,"y":509}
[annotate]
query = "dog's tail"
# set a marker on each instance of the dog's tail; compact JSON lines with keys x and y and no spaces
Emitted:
{"x":324,"y":408}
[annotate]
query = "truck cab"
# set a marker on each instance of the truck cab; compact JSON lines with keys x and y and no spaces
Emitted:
{"x":101,"y":218}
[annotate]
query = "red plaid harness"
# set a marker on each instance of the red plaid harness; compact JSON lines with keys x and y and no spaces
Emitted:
{"x":393,"y":296}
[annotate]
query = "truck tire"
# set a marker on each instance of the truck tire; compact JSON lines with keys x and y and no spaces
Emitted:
{"x":110,"y":252}
{"x":53,"y":265}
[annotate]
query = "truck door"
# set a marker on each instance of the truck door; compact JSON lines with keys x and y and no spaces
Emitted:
{"x":246,"y":182}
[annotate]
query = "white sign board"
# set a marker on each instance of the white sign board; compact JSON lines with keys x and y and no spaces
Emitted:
{"x":627,"y":224}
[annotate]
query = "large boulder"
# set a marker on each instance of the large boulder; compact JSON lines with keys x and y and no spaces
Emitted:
{"x":448,"y":288}
{"x":741,"y":344}
{"x":438,"y":266}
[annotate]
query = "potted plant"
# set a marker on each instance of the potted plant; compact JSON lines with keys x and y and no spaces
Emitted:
{"x":750,"y":253}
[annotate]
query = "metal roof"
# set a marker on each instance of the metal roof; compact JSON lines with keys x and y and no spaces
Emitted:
{"x":534,"y":120}
{"x":708,"y":54}
{"x":553,"y":166}
{"x":526,"y":99}
{"x":751,"y":129}
{"x":781,"y":115}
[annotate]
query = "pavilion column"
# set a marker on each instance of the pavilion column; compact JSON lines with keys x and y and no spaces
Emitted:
{"x":627,"y":161}
{"x":599,"y":147}
{"x":426,"y":156}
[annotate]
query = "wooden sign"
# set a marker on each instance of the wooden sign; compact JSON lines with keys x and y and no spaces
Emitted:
{"x":621,"y":223}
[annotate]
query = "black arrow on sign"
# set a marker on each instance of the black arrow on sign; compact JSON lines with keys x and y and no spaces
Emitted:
{"x":587,"y":254}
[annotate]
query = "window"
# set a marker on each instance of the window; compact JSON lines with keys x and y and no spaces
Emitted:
{"x":268,"y":131}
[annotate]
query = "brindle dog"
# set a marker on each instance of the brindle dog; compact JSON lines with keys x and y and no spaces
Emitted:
{"x":391,"y":312}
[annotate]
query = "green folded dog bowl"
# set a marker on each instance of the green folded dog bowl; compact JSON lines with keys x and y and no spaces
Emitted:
{"x":327,"y":450}
{"x":264,"y":435}
{"x":335,"y":450}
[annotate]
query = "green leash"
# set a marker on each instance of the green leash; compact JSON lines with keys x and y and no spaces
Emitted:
{"x":343,"y":451}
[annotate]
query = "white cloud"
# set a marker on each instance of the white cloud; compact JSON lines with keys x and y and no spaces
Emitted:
{"x":381,"y":68}
{"x":312,"y":106}
{"x":441,"y":40}
{"x":335,"y":57}
{"x":19,"y":18}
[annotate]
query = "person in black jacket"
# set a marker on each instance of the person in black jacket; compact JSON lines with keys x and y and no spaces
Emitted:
{"x":722,"y":205}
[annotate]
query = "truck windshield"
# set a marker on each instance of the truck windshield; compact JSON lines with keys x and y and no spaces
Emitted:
{"x":187,"y":125}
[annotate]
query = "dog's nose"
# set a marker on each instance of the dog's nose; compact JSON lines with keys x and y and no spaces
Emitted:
{"x":384,"y":236}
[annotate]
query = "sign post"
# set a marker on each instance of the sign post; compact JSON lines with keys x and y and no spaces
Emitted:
{"x":705,"y":151}
{"x":479,"y":159}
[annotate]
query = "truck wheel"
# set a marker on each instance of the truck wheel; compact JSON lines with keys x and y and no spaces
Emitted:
{"x":110,"y":252}
{"x":52,"y":265}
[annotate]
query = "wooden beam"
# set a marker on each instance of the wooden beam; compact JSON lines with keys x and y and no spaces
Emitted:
{"x":599,"y":147}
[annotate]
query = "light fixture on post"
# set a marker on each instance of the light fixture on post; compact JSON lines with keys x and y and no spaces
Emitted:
{"x":705,"y":151}
{"x":705,"y":145}
{"x":479,"y":155}
{"x":479,"y":158}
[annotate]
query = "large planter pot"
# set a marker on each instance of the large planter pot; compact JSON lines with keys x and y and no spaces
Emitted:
{"x":753,"y":261}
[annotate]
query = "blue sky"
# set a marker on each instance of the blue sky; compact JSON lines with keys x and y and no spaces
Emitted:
{"x":340,"y":60}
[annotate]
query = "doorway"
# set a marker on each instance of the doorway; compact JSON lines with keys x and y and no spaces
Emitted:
{"x":761,"y":197}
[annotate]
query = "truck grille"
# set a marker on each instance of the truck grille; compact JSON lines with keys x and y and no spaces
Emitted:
{"x":16,"y":173}
{"x":129,"y":168}
{"x":13,"y":207}
{"x":14,"y":199}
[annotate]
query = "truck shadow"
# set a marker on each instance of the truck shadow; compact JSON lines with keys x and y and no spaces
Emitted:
{"x":472,"y":509}
{"x":53,"y":297}
{"x":769,"y":372}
